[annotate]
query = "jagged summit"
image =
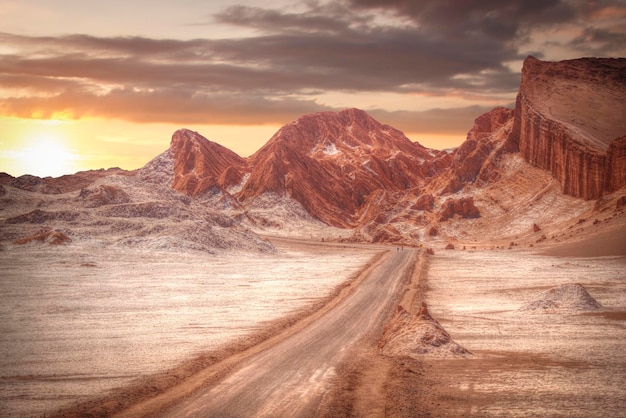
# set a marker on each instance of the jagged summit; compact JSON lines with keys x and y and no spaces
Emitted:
{"x":330,"y":163}
{"x":347,"y":129}
{"x":200,"y":164}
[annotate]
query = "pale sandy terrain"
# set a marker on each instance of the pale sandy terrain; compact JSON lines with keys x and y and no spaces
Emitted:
{"x":561,"y":362}
{"x":105,"y":329}
{"x":76,"y":323}
{"x":528,"y":363}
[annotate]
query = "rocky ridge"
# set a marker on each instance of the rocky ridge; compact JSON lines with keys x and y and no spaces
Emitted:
{"x":200,"y":164}
{"x":332,"y":162}
{"x":346,"y":170}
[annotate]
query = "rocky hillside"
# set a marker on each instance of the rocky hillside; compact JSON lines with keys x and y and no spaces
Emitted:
{"x":200,"y":164}
{"x":332,"y":162}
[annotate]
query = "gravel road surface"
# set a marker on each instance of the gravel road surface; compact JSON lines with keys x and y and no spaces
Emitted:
{"x":292,"y":377}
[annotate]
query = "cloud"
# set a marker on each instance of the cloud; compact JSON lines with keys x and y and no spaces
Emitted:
{"x":507,"y":22}
{"x":452,"y":48}
{"x":433,"y":121}
{"x":498,"y":19}
{"x":387,"y":59}
{"x":170,"y":106}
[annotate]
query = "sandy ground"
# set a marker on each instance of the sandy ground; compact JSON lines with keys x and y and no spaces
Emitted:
{"x":523,"y":364}
{"x":78,"y":322}
{"x":293,"y":376}
{"x":563,"y":363}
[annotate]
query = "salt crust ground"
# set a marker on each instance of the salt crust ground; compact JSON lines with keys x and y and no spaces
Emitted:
{"x":558,"y":363}
{"x":573,"y":228}
{"x":76,"y":322}
{"x":476,"y":296}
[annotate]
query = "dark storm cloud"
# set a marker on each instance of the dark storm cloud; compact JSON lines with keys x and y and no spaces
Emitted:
{"x":501,"y":19}
{"x":364,"y":55}
{"x":378,"y":59}
{"x":454,"y":48}
{"x":332,"y":18}
{"x":507,"y":21}
{"x":594,"y":41}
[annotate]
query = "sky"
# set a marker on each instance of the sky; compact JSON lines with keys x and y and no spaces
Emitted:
{"x":88,"y":85}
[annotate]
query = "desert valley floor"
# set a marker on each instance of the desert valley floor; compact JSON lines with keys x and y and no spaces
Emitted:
{"x":341,"y":270}
{"x":76,"y":324}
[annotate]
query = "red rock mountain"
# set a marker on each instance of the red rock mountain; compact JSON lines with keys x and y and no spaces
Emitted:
{"x":567,"y":134}
{"x":349,"y":170}
{"x":568,"y":118}
{"x":331,"y":163}
{"x":200,"y":164}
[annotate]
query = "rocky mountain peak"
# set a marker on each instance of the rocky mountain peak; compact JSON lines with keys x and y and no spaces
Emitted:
{"x":330,"y":162}
{"x":199,"y":164}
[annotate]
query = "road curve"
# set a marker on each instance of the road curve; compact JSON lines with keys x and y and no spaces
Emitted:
{"x":291,"y":377}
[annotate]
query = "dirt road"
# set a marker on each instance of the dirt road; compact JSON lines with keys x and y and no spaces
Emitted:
{"x":292,"y":377}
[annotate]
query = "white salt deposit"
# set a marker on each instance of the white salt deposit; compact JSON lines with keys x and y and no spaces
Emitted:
{"x":564,"y":298}
{"x":76,"y":321}
{"x":538,"y":365}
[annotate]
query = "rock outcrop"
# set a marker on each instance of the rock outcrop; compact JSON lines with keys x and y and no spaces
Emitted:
{"x":39,"y":216}
{"x":103,"y":195}
{"x":34,"y":184}
{"x":77,"y":181}
{"x":418,"y":335}
{"x":45,"y":236}
{"x":615,"y":173}
{"x":200,"y":164}
{"x":463,"y":207}
{"x":471,"y":155}
{"x":567,"y":114}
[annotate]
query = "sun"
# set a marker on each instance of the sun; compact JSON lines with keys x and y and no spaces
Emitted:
{"x":45,"y":154}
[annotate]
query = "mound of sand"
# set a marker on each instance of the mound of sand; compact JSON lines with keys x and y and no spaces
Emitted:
{"x":417,"y":335}
{"x":568,"y":297}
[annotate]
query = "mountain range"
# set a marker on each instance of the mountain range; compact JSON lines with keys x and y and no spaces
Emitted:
{"x":528,"y":174}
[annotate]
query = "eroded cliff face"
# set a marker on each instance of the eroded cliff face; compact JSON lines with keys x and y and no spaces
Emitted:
{"x":480,"y":143}
{"x":567,"y":114}
{"x":615,"y":176}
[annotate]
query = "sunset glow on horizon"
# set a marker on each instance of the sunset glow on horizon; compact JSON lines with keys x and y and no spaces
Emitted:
{"x":97,"y":86}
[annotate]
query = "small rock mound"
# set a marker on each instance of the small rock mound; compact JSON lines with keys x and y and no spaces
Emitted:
{"x":463,"y":207}
{"x":46,"y":236}
{"x":418,"y":335}
{"x":41,"y":216}
{"x":568,"y":297}
{"x":34,"y":184}
{"x":103,"y":195}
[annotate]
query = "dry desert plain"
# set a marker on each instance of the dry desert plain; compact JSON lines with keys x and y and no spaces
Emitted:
{"x":142,"y":333}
